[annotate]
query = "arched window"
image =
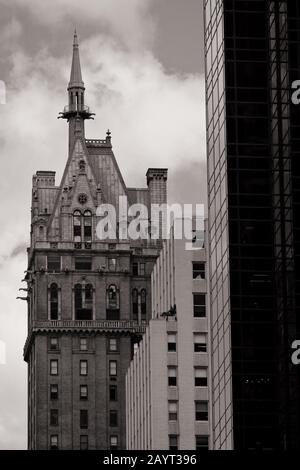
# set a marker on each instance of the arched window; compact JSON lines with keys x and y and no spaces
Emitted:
{"x":77,"y":226}
{"x":87,"y":217}
{"x":83,"y":302}
{"x":143,"y":304}
{"x":112,"y":303}
{"x":53,"y":302}
{"x":135,"y":305}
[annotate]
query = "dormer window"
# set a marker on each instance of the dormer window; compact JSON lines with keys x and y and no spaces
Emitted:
{"x":82,"y":226}
{"x":77,"y":226}
{"x":82,"y":165}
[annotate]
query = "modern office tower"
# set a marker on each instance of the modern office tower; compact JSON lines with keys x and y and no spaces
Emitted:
{"x":167,"y":392}
{"x":89,"y":299}
{"x":252,"y":53}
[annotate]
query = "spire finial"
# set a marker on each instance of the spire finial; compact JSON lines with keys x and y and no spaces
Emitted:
{"x":75,"y":41}
{"x":76,"y":78}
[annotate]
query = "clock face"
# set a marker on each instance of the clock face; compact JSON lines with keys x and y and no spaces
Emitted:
{"x":82,"y":198}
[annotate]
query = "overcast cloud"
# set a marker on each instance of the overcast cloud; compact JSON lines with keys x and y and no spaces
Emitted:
{"x":147,"y":91}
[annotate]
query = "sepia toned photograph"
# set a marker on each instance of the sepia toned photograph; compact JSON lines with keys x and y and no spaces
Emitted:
{"x":150,"y":242}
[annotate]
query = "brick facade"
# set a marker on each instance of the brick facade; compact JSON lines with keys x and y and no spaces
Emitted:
{"x":56,"y":325}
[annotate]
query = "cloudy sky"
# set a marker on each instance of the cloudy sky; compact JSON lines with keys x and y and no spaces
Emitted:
{"x":142,"y":63}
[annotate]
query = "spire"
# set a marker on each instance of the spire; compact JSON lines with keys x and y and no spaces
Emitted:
{"x":75,"y":78}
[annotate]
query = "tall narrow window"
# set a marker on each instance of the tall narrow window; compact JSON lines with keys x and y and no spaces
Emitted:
{"x":54,"y":346}
{"x":135,"y":305}
{"x":83,"y":392}
{"x":84,"y":419}
{"x":84,"y":442}
{"x":53,"y":302}
{"x":200,"y":342}
{"x":114,"y":442}
{"x":202,"y":443}
{"x":112,"y":368}
{"x":83,"y":302}
{"x":198,"y":270}
{"x":113,"y":393}
{"x":113,"y":418}
{"x":171,"y":342}
{"x":142,"y":269}
{"x":54,"y":442}
{"x":83,"y":344}
{"x":173,"y":405}
{"x":87,"y":231}
{"x":200,"y":377}
{"x":135,"y":269}
{"x":199,"y":305}
{"x":53,"y":263}
{"x":83,"y":367}
{"x":112,"y":303}
{"x":53,"y":392}
{"x":77,"y":226}
{"x":143,"y":304}
{"x":53,"y":417}
{"x":201,"y":410}
{"x":53,"y":367}
{"x":173,"y":442}
{"x":172,"y":376}
{"x":112,"y":264}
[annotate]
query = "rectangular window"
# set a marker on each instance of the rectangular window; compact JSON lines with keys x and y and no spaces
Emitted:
{"x":198,"y":270}
{"x":83,"y":367}
{"x":202,"y":443}
{"x":171,"y":342}
{"x":53,"y":392}
{"x":113,"y":393}
{"x":83,"y":392}
{"x":113,"y":418}
{"x":200,"y":376}
{"x":142,"y":269}
{"x":84,"y":442}
{"x":200,"y":342}
{"x":112,"y":264}
{"x":83,"y":263}
{"x":53,"y":417}
{"x":113,"y":442}
{"x":135,"y":269}
{"x":201,"y":410}
{"x":172,"y":376}
{"x":83,"y":344}
{"x":53,"y":343}
{"x":84,"y":419}
{"x":173,"y":410}
{"x":53,"y":367}
{"x":53,"y":263}
{"x":113,"y":368}
{"x":113,"y":345}
{"x":199,"y":305}
{"x":54,"y":442}
{"x":173,"y":442}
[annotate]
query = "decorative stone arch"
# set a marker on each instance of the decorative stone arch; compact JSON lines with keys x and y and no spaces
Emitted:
{"x":54,"y":301}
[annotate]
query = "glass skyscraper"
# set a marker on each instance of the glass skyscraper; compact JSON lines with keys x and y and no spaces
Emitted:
{"x":252,"y":51}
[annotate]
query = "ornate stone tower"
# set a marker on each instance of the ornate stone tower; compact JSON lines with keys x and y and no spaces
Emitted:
{"x":88,"y":299}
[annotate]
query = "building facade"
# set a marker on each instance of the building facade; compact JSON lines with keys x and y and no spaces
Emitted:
{"x":167,"y":384}
{"x":89,"y":299}
{"x":252,"y":51}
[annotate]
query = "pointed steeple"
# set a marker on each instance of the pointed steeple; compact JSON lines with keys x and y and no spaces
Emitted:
{"x":75,"y":77}
{"x":76,"y":111}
